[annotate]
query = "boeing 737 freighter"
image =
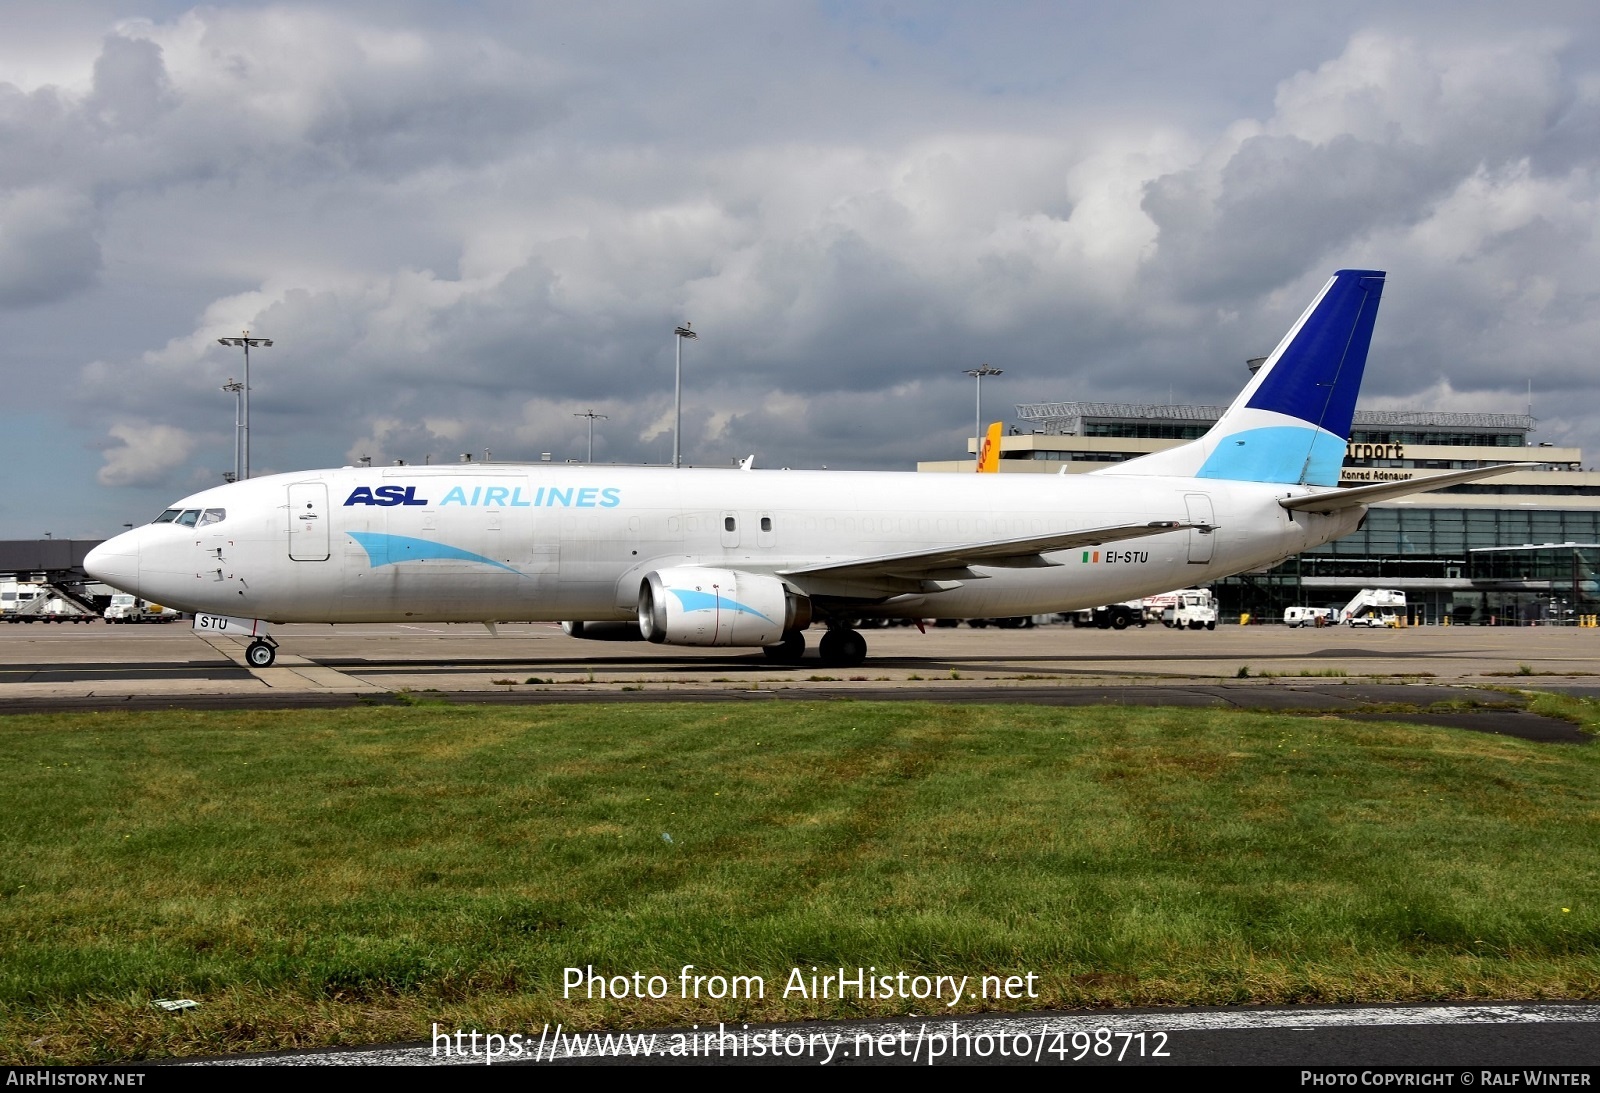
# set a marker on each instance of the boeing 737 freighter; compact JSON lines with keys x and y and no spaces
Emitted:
{"x":754,"y":558}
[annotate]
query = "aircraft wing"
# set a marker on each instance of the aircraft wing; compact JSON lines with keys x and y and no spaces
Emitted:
{"x":894,"y":571}
{"x":1383,"y":491}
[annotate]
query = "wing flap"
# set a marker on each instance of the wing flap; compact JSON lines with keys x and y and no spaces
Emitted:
{"x":1004,"y":553}
{"x":1333,"y":500}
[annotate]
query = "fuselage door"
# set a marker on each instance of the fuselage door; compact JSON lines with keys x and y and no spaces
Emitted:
{"x":308,"y":522}
{"x":1201,"y":539}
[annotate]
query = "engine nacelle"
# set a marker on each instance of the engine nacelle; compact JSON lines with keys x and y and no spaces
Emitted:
{"x":687,"y":605}
{"x":603,"y":631}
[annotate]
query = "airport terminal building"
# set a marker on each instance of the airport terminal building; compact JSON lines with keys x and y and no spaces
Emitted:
{"x":1518,"y":549}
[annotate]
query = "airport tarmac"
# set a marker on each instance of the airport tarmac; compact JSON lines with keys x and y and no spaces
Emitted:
{"x":1272,"y":666}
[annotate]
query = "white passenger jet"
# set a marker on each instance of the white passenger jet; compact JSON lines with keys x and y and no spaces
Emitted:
{"x":753,"y":558}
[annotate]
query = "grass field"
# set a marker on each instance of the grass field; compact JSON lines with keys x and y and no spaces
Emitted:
{"x":317,"y":877}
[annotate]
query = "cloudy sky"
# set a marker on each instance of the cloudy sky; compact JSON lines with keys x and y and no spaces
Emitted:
{"x":463,"y":224}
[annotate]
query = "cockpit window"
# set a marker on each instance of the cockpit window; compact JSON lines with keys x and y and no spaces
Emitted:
{"x":166,"y":517}
{"x":188,"y":517}
{"x":213,"y":516}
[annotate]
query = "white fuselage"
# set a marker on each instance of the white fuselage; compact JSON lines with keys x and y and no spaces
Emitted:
{"x":527,"y":542}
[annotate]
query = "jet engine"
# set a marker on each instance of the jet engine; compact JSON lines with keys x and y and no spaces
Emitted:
{"x":687,"y":605}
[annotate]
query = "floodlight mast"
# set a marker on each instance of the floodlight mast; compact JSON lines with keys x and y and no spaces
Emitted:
{"x":677,"y":393}
{"x":237,"y":388}
{"x":246,"y":342}
{"x":978,"y":373}
{"x":591,"y":415}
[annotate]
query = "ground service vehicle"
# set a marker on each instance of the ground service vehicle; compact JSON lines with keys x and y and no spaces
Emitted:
{"x":1195,"y":609}
{"x":15,"y":595}
{"x":27,"y":601}
{"x":1112,"y":616}
{"x":1307,"y":616}
{"x":1374,"y":607}
{"x":126,"y":607}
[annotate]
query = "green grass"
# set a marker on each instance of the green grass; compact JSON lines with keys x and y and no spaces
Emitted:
{"x":1583,"y":712}
{"x":332,"y":876}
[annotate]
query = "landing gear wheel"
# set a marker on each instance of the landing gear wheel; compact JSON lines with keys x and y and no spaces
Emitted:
{"x":1119,"y":622}
{"x":842,"y":648}
{"x":260,"y":654}
{"x":787,"y":651}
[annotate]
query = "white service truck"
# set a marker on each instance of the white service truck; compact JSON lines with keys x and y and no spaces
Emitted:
{"x":125,"y":607}
{"x":1191,"y":608}
{"x":15,"y":595}
{"x":1186,"y":608}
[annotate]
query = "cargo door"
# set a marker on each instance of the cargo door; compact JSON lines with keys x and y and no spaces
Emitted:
{"x":308,"y":522}
{"x":1201,"y":538}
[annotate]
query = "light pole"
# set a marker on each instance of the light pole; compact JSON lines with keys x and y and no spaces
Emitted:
{"x":591,"y":415}
{"x":978,"y":373}
{"x":677,"y":394}
{"x":238,"y":422}
{"x":246,"y":342}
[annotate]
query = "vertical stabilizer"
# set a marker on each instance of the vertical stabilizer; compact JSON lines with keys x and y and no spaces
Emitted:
{"x":989,"y":450}
{"x":1291,"y":422}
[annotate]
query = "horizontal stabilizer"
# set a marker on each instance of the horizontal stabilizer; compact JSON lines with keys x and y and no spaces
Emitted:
{"x":1384,"y":491}
{"x":999,"y":552}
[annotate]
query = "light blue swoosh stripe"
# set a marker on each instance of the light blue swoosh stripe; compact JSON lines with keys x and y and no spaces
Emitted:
{"x":1277,"y":453}
{"x":706,"y":601}
{"x":392,"y":549}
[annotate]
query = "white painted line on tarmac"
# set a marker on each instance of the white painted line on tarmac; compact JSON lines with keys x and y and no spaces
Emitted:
{"x":588,"y":1044}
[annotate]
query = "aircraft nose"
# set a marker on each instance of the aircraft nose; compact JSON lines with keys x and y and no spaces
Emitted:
{"x":115,"y":562}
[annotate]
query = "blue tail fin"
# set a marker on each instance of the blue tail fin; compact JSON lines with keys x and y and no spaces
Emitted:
{"x":1291,"y":422}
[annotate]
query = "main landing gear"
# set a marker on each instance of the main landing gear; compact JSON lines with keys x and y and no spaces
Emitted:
{"x":840,"y":647}
{"x":261,"y":653}
{"x":787,"y":651}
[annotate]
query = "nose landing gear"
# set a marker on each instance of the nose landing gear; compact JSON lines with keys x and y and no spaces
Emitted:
{"x":261,"y":653}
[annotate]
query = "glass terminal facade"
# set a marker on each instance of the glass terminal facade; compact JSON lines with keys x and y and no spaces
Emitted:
{"x":1518,"y":549}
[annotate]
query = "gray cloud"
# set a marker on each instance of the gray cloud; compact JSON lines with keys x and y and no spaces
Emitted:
{"x":131,"y":89}
{"x":145,"y":455}
{"x":460,"y":235}
{"x":47,"y":246}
